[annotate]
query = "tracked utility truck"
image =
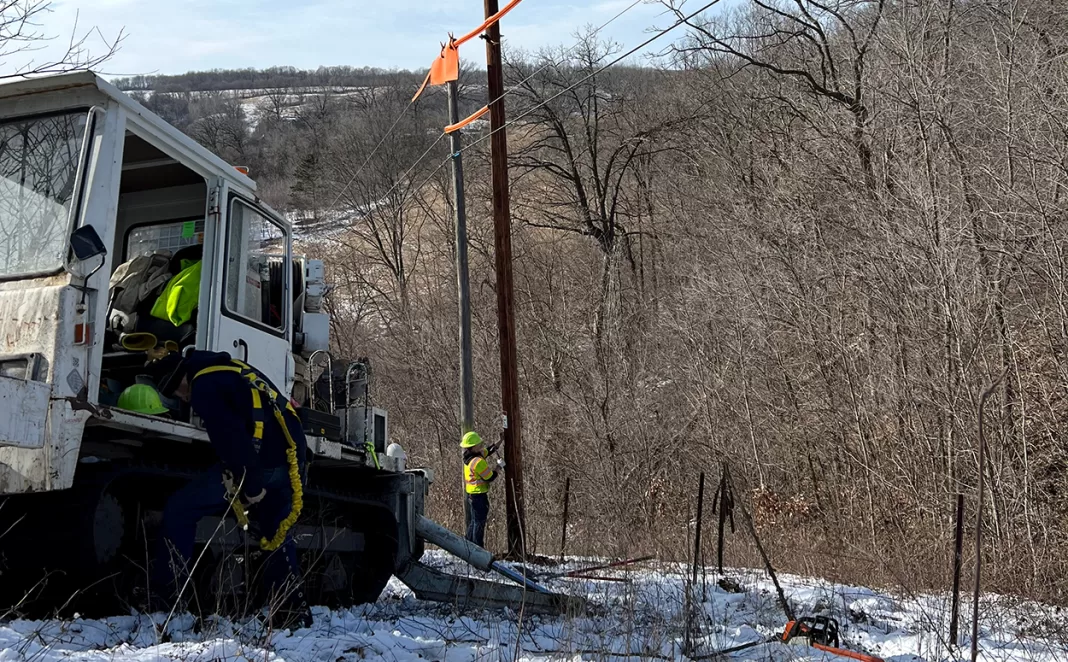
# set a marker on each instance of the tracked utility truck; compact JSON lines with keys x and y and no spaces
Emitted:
{"x":101,"y":203}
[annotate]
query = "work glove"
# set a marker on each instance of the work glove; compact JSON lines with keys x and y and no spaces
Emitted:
{"x":245,"y":499}
{"x":500,"y":464}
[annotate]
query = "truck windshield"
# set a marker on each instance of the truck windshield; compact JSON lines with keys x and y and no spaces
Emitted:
{"x":38,"y":179}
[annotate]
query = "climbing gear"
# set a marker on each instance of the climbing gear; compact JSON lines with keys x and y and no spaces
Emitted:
{"x":232,"y":496}
{"x":134,"y":282}
{"x":181,"y":295}
{"x":141,"y":398}
{"x":821,"y":632}
{"x":470,"y":440}
{"x":262,"y":389}
{"x":477,"y":475}
{"x":233,"y":492}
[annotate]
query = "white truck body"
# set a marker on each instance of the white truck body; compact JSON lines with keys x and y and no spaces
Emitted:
{"x":133,"y":170}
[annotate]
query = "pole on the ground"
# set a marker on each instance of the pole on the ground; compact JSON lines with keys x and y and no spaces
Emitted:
{"x":502,"y":235}
{"x":747,"y":518}
{"x":563,"y":525}
{"x":467,"y":389}
{"x":958,"y":545}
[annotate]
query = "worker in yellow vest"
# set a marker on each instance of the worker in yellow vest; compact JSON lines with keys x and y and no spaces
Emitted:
{"x":477,"y":477}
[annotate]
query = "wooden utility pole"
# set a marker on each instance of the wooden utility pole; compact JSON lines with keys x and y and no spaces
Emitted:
{"x":502,"y":234}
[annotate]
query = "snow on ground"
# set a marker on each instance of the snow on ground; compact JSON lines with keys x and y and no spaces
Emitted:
{"x":642,"y":618}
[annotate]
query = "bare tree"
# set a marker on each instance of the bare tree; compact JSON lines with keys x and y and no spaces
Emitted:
{"x":21,"y":36}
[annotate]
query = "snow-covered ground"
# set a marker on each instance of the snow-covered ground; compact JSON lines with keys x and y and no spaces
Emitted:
{"x":642,"y":618}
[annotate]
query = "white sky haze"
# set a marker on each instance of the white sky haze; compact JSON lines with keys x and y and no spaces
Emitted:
{"x":171,"y":37}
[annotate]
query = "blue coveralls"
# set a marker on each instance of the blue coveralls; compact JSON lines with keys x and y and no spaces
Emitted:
{"x":476,"y":507}
{"x":223,"y":400}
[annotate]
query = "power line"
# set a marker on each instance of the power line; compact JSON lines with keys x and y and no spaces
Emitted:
{"x":637,"y":48}
{"x":415,"y":165}
{"x":526,"y":113}
{"x":370,"y":156}
{"x":567,"y":89}
{"x":515,"y":87}
{"x":567,"y":52}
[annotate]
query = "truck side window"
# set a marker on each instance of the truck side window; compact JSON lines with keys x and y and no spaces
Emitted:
{"x":255,"y":257}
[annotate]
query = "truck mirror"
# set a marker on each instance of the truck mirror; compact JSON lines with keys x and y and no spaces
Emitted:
{"x":86,"y":243}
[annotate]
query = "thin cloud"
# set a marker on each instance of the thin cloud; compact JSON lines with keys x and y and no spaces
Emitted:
{"x":166,"y":37}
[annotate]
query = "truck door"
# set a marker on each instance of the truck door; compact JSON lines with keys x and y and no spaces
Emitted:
{"x":253,"y":288}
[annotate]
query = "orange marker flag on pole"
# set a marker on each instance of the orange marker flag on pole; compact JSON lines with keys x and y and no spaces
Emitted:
{"x":446,"y":67}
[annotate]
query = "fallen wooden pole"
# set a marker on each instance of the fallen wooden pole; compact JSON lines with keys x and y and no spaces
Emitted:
{"x":747,"y":518}
{"x":581,"y":571}
{"x":599,"y":579}
{"x":614,"y":564}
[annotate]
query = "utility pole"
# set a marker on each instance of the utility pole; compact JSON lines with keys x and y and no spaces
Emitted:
{"x":463,"y":287}
{"x":467,"y":407}
{"x":502,"y":240}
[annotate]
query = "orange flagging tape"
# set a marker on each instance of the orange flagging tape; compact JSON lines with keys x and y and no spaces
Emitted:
{"x":488,"y":22}
{"x":847,"y":653}
{"x":446,"y":67}
{"x":462,"y":123}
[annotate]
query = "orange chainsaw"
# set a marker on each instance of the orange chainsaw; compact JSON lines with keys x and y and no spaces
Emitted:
{"x":821,"y":632}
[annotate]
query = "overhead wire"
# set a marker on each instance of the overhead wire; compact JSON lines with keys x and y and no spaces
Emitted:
{"x":530,"y":110}
{"x":526,"y":113}
{"x":510,"y":90}
{"x":382,"y":141}
{"x":572,"y":86}
{"x":545,"y":66}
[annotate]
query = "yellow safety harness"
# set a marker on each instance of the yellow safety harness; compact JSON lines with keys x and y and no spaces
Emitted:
{"x":261,"y":390}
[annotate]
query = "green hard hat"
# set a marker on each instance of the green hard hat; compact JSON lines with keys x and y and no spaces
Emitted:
{"x":142,"y":399}
{"x":470,"y":440}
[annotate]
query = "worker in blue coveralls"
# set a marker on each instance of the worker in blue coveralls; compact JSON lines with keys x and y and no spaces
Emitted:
{"x":259,"y":440}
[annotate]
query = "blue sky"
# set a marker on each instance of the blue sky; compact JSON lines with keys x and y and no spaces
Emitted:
{"x":174,"y":36}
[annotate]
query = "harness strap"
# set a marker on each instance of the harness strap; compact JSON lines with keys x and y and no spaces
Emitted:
{"x":262,"y":389}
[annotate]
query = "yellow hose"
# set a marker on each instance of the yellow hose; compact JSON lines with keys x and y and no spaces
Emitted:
{"x":294,"y":482}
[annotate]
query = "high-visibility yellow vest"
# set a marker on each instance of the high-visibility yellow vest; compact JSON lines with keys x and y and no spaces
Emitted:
{"x":477,"y":474}
{"x":177,"y":301}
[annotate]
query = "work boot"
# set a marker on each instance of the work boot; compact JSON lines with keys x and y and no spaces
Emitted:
{"x":293,"y":613}
{"x":157,"y":602}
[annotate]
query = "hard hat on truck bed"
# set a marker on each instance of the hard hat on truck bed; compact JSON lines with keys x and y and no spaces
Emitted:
{"x":143,"y":399}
